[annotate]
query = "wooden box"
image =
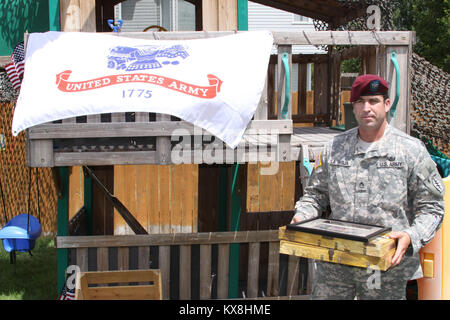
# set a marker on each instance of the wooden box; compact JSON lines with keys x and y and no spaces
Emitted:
{"x":376,"y":253}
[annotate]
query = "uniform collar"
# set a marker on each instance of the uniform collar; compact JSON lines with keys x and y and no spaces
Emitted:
{"x":380,"y":149}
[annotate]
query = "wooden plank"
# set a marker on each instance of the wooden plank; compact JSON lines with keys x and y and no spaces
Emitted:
{"x":153,"y":199}
{"x":227,"y":15}
{"x":163,"y":145}
{"x":100,"y":158}
{"x":164,"y":266}
{"x":185,"y":272}
{"x":139,"y":129}
{"x":292,"y":280}
{"x":77,"y":15}
{"x":140,"y":192}
{"x":144,"y":258}
{"x":123,"y":258}
{"x":253,"y":269}
{"x":273,"y":269}
{"x":287,"y":170}
{"x":177,"y":183}
{"x":210,"y":18}
{"x":102,"y":259}
{"x":76,"y":190}
{"x":82,"y":259}
{"x":253,"y":198}
{"x":122,"y":293}
{"x":205,"y":272}
{"x":335,"y":256}
{"x":164,"y":198}
{"x":320,"y":88}
{"x":40,"y":153}
{"x":223,"y":271}
{"x":188,"y":187}
{"x":291,"y":37}
{"x":376,"y":247}
{"x":166,"y":239}
{"x":120,"y":191}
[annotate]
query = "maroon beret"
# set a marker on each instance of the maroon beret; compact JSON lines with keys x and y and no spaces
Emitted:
{"x":368,"y":85}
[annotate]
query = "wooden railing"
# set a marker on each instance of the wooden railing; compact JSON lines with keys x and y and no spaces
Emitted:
{"x":197,"y":265}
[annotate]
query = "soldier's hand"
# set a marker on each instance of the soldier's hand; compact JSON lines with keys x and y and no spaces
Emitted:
{"x":295,"y":219}
{"x":403,"y":242}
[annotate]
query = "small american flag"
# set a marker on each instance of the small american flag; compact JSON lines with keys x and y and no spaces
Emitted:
{"x":66,"y":293}
{"x":15,"y":69}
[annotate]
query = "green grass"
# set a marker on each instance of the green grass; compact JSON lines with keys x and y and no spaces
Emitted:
{"x":31,"y":277}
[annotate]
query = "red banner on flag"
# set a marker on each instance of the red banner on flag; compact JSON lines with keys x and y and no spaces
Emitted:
{"x":205,"y":92}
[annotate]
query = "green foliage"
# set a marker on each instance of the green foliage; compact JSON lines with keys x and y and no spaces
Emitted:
{"x":430,"y":19}
{"x":351,"y":66}
{"x":31,"y":277}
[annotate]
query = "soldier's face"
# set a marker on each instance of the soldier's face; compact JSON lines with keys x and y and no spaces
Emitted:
{"x":370,"y":111}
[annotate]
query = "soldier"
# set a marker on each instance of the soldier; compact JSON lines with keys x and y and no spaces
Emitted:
{"x":374,"y":174}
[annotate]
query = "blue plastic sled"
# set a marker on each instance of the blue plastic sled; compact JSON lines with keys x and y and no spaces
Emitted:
{"x":15,"y":235}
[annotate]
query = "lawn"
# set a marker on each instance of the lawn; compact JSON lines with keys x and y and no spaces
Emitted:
{"x":31,"y":277}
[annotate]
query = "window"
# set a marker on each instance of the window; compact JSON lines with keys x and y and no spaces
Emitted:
{"x":173,"y":15}
{"x":300,"y":19}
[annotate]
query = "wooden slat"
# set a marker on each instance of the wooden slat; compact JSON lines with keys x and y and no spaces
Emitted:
{"x":292,"y":281}
{"x":102,"y":259}
{"x":82,"y":259}
{"x":166,"y":239}
{"x":223,"y":271}
{"x":164,"y":198}
{"x":185,"y":272}
{"x":144,"y":258}
{"x":253,"y":269}
{"x":205,"y":272}
{"x":101,"y":158}
{"x":153,"y":200}
{"x":164,"y":266}
{"x":273,"y":269}
{"x":123,"y":258}
{"x":139,"y":129}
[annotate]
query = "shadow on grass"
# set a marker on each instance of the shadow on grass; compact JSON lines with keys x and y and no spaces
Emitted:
{"x":31,"y":277}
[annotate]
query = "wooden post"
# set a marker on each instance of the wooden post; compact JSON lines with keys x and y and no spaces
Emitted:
{"x":220,"y":15}
{"x":77,"y":15}
{"x":63,"y":225}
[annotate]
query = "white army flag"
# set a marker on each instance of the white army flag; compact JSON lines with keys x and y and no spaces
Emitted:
{"x":214,"y":83}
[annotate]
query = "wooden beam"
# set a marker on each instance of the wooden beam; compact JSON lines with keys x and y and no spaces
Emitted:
{"x":168,"y":239}
{"x":219,"y":15}
{"x":374,"y":38}
{"x":77,"y":15}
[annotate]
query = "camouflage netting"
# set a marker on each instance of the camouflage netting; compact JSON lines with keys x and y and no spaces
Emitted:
{"x":430,"y":115}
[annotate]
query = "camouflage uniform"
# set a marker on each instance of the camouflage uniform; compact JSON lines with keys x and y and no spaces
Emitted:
{"x":395,"y":184}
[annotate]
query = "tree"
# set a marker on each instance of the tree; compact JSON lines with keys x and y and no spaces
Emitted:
{"x":430,"y":19}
